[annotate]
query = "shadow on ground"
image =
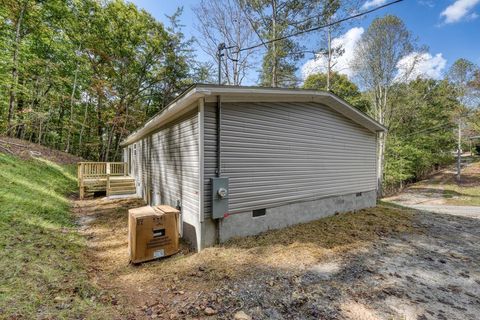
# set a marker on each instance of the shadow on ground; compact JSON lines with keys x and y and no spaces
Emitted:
{"x":374,"y":264}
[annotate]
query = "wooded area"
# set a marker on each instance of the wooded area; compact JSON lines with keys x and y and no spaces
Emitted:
{"x":79,"y":76}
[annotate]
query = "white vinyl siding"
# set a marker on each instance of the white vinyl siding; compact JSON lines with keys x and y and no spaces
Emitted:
{"x":169,"y":165}
{"x":279,"y":153}
{"x":210,"y":155}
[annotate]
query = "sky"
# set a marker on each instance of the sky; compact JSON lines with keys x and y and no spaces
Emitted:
{"x":450,"y":29}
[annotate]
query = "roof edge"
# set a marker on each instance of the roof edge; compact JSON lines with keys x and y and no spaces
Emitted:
{"x":198,"y":91}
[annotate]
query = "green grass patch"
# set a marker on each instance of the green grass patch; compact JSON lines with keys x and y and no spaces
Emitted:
{"x":461,"y":196}
{"x":43,"y":274}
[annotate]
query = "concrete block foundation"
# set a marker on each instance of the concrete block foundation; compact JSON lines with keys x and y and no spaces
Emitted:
{"x":244,"y":224}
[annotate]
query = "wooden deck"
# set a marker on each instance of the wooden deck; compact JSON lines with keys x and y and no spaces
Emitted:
{"x":109,"y":177}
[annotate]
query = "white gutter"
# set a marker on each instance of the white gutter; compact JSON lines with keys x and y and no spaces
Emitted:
{"x":165,"y":115}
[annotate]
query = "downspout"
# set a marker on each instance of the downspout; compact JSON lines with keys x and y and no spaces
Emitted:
{"x":218,"y":171}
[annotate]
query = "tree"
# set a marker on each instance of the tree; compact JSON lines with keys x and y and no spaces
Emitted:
{"x":334,"y":9}
{"x":224,"y":21}
{"x":85,"y":91}
{"x":340,"y":85}
{"x":465,"y":75}
{"x":385,"y":42}
{"x":421,"y":134}
{"x":273,"y":19}
{"x":16,"y":11}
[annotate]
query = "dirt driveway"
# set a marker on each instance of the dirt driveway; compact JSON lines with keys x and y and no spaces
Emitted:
{"x":382,"y":263}
{"x":441,"y":193}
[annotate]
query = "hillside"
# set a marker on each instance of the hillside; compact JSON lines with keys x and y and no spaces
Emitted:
{"x":42,"y":256}
{"x":27,"y":150}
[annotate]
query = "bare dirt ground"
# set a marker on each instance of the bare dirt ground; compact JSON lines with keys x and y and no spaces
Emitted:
{"x":381,"y":263}
{"x":26,"y":150}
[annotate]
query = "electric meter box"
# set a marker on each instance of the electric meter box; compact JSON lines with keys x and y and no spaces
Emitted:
{"x":220,"y":194}
{"x":153,"y":232}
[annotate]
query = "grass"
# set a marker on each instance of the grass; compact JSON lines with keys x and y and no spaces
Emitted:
{"x":42,"y":257}
{"x":460,"y":195}
{"x":465,"y":193}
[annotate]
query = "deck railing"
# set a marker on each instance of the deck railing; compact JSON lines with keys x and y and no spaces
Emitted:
{"x":92,"y":170}
{"x":100,"y":171}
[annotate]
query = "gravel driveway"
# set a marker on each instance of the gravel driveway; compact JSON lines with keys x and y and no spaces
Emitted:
{"x":433,"y":194}
{"x":466,"y":211}
{"x":431,"y":274}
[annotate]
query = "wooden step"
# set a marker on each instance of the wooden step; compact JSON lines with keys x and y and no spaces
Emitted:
{"x":122,"y":188}
{"x":122,"y":183}
{"x":122,"y":179}
{"x":120,"y":192}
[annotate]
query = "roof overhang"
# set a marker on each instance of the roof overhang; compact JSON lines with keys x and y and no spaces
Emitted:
{"x":188,"y":99}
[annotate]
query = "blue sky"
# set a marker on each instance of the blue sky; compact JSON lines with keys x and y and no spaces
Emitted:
{"x":449,"y":28}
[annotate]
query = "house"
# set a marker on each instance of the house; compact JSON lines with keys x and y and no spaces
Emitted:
{"x":238,"y":161}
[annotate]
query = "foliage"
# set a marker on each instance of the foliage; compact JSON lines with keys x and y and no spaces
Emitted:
{"x":466,"y":77}
{"x":87,"y":72}
{"x":378,"y":53}
{"x":279,"y":18}
{"x":421,"y":135}
{"x":41,"y":256}
{"x":341,"y":86}
{"x":385,"y":42}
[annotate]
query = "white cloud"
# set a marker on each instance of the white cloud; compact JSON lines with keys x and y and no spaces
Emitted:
{"x":347,"y":42}
{"x":421,"y":64}
{"x":427,"y":3}
{"x":459,"y":10}
{"x":410,"y":67}
{"x":373,"y":3}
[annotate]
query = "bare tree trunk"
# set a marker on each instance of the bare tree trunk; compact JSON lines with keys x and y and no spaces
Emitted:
{"x":40,"y":128}
{"x":72,"y":97}
{"x":83,"y":126}
{"x":109,"y":142}
{"x":274,"y":45}
{"x":13,"y":85}
{"x":100,"y":129}
{"x":120,"y":136}
{"x":381,"y":142}
{"x":381,"y":99}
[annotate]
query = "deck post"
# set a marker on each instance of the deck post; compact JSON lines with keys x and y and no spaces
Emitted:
{"x":99,"y":176}
{"x":80,"y":181}
{"x":108,"y":186}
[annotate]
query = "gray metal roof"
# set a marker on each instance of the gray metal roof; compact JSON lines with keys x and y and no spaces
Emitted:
{"x":256,"y":94}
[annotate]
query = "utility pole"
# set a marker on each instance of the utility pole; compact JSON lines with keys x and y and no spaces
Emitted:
{"x":329,"y":58}
{"x":220,"y":54}
{"x":459,"y":152}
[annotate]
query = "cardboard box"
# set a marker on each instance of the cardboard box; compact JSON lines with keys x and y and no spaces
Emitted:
{"x":152,"y":232}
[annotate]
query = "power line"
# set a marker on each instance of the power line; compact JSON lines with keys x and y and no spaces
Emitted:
{"x":428,"y":130}
{"x":222,"y":46}
{"x":253,"y":26}
{"x":295,"y":34}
